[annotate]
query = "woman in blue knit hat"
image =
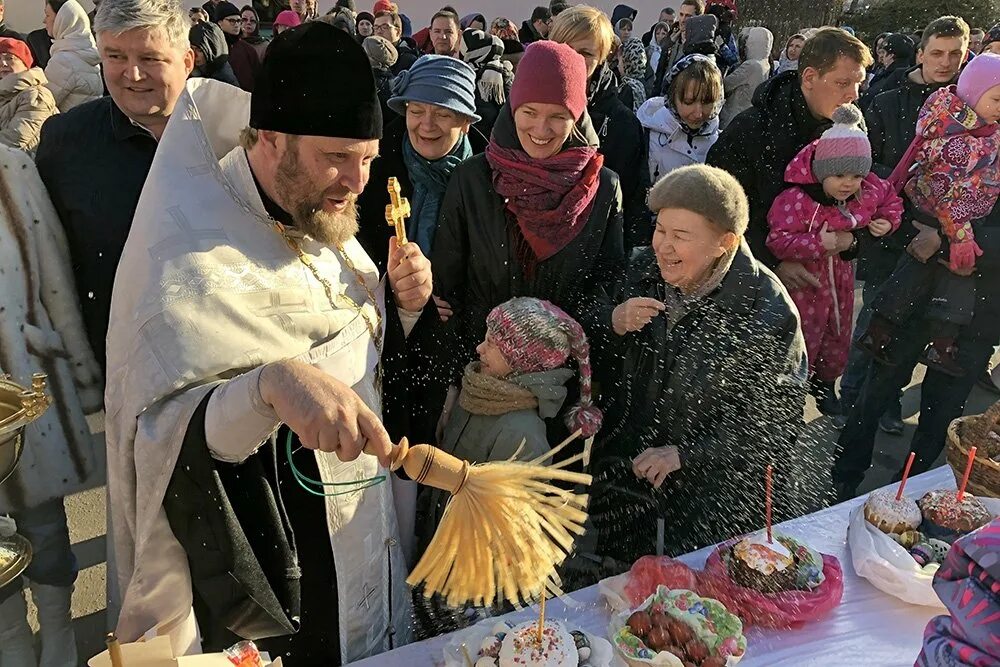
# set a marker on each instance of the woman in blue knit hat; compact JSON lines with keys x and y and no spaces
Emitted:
{"x":436,"y":105}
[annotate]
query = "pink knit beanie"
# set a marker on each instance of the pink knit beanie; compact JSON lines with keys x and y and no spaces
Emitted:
{"x":534,"y":336}
{"x":551,"y":73}
{"x":844,"y":148}
{"x":981,"y":74}
{"x":288,"y":18}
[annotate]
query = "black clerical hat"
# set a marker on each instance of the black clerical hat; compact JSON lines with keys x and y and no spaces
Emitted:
{"x":316,"y":80}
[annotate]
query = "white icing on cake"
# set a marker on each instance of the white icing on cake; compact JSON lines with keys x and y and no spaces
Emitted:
{"x":883,"y":507}
{"x":521,"y":648}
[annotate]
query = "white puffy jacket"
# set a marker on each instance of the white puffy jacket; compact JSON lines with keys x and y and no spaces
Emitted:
{"x":670,"y":147}
{"x":73,"y":72}
{"x":742,"y":82}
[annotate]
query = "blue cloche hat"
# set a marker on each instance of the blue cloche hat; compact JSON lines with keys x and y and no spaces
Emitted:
{"x":440,"y":80}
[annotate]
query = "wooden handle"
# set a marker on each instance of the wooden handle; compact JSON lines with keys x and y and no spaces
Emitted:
{"x":114,"y":650}
{"x":431,"y":466}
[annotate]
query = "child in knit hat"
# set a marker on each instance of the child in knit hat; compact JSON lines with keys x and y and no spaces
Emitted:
{"x":832,"y":197}
{"x":518,"y":383}
{"x":951,"y":174}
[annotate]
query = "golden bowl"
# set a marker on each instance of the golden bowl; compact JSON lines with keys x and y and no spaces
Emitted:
{"x":18,"y":408}
{"x":15,"y":555}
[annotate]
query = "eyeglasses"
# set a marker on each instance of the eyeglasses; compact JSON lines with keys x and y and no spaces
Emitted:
{"x":384,"y":27}
{"x":230,"y":19}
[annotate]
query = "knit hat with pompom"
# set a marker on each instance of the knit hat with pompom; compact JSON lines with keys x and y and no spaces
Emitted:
{"x":844,"y":148}
{"x":534,"y":336}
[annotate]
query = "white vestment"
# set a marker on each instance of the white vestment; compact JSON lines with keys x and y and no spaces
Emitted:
{"x":206,"y":291}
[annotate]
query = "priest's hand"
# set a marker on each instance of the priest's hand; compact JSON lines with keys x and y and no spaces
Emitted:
{"x":325,"y":413}
{"x":409,"y":276}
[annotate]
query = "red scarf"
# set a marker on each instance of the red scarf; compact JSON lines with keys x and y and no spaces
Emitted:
{"x":551,"y":199}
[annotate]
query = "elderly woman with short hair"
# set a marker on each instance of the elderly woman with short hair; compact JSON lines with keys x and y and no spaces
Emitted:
{"x":704,"y":369}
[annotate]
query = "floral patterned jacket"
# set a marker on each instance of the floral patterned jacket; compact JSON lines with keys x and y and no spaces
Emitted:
{"x":957,"y":168}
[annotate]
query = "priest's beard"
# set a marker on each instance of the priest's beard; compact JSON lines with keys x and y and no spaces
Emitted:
{"x":304,"y":202}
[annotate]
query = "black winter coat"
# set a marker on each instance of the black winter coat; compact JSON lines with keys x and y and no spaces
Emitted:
{"x":413,"y":392}
{"x":477,"y":268}
{"x":624,"y":147}
{"x":94,"y":161}
{"x":383,"y":88}
{"x":759,"y":143}
{"x":527,"y":34}
{"x":892,"y":124}
{"x":725,"y":385}
{"x":886,"y":79}
{"x":211,"y":41}
{"x":406,"y":55}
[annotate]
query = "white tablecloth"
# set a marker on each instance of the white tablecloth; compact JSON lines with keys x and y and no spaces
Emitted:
{"x":868,"y":629}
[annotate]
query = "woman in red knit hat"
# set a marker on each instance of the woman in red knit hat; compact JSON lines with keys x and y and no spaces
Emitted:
{"x":536,"y":215}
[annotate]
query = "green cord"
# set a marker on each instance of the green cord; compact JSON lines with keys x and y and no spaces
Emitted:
{"x":303,"y":480}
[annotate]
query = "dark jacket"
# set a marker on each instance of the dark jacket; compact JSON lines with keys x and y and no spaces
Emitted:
{"x":209,"y":8}
{"x":476,"y":266}
{"x":406,"y":56}
{"x":527,"y":34}
{"x":383,"y":88}
{"x":210,"y":40}
{"x":622,"y":12}
{"x":888,"y":78}
{"x":40,"y":44}
{"x":246,"y":582}
{"x":268,"y":10}
{"x":94,"y":162}
{"x":623,"y":144}
{"x":413,"y":393}
{"x":892,"y":123}
{"x":244,"y":60}
{"x":759,"y":143}
{"x":12,"y":34}
{"x":725,"y":385}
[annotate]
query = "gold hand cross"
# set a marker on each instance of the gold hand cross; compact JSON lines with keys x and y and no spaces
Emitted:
{"x":397,"y":211}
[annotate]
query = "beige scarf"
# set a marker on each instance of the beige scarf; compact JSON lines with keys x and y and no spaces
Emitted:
{"x":487,"y":395}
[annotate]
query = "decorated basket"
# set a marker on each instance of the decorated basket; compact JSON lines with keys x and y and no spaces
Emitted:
{"x":981,"y":432}
{"x":711,"y":623}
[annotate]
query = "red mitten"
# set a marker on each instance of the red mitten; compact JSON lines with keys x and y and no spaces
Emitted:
{"x":963,"y":255}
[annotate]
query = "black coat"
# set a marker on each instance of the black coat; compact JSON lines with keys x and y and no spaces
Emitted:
{"x":211,"y":41}
{"x":477,"y":268}
{"x":624,"y":147}
{"x":759,"y":143}
{"x":892,"y":123}
{"x":527,"y":34}
{"x":94,"y":162}
{"x":886,"y":79}
{"x":383,"y":87}
{"x":406,"y":55}
{"x":725,"y":385}
{"x":12,"y":34}
{"x":413,"y":393}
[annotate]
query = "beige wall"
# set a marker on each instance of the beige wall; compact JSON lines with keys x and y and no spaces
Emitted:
{"x":26,"y":15}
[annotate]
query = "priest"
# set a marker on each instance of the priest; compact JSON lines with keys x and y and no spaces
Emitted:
{"x":248,"y":494}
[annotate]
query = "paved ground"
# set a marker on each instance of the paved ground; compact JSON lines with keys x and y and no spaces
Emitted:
{"x":87,"y":510}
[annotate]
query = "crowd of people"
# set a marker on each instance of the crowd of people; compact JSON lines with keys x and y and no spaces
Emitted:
{"x":653,"y":241}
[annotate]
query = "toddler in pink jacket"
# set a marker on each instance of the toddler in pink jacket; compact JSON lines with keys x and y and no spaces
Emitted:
{"x":832,"y":197}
